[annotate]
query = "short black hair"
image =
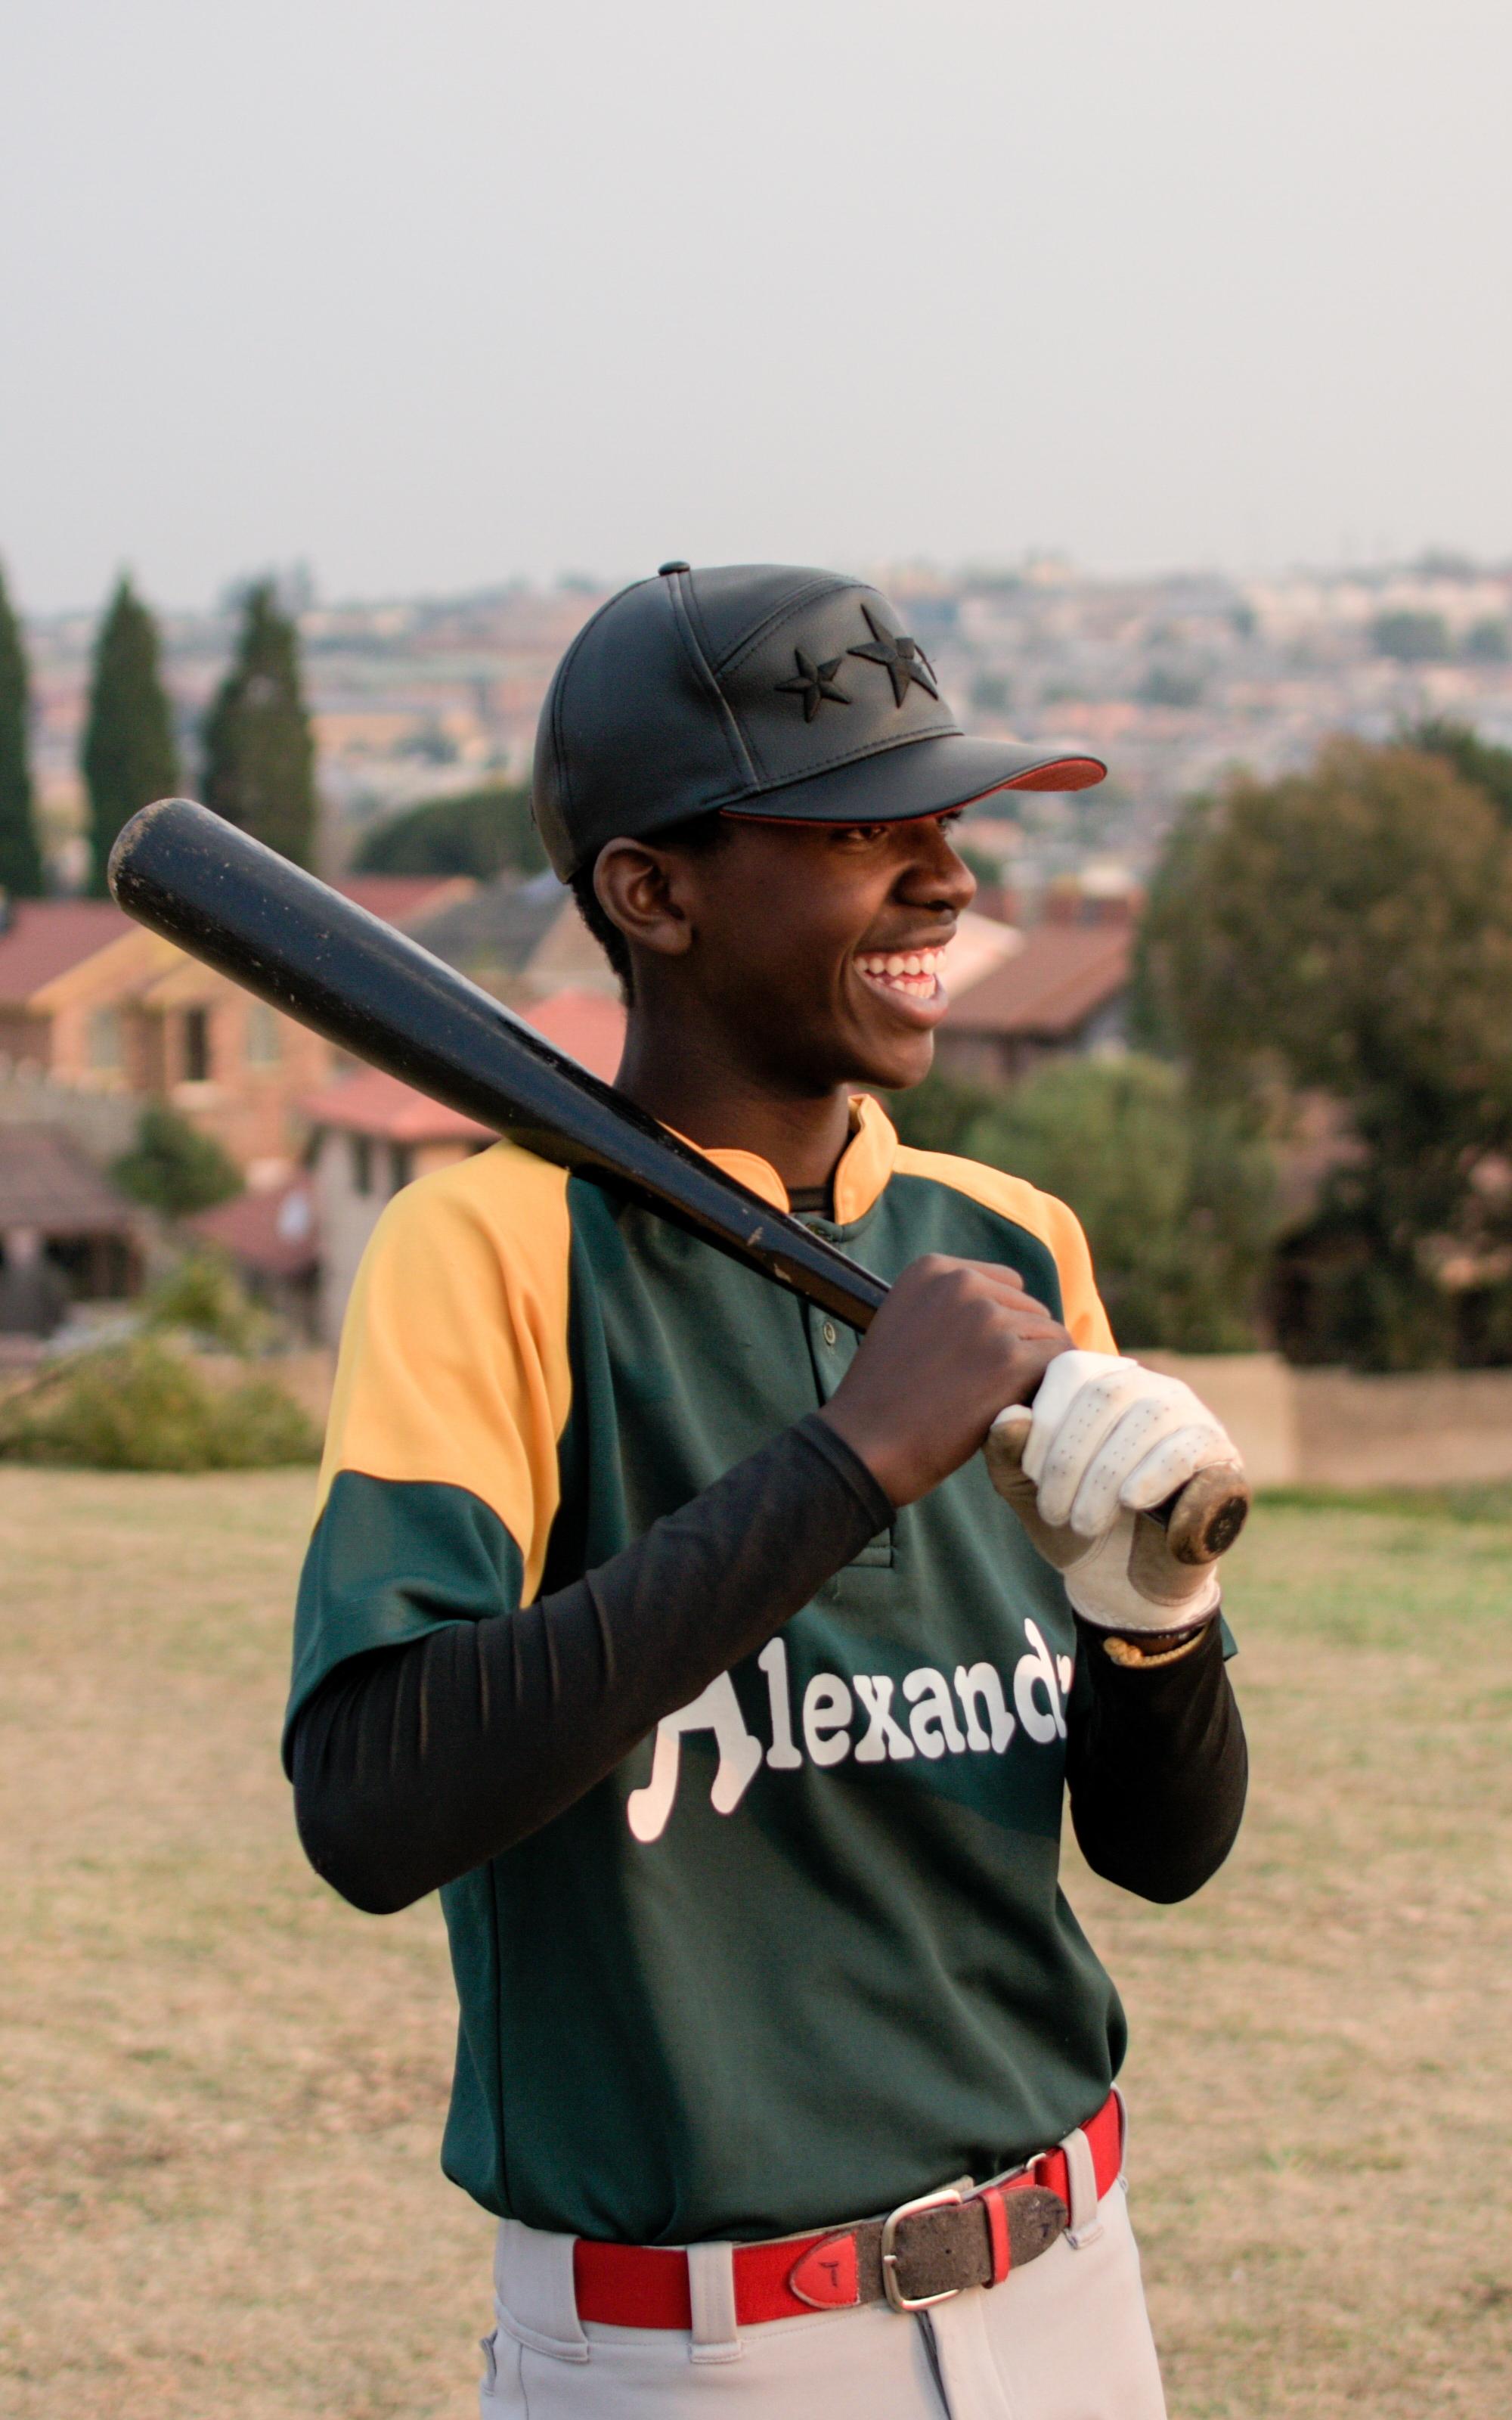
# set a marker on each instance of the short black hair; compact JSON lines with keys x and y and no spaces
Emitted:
{"x":698,"y":834}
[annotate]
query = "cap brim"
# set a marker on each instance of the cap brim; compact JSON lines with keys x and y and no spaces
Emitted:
{"x":925,"y":777}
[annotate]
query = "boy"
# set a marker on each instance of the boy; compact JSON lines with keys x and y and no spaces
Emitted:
{"x":685,"y":1642}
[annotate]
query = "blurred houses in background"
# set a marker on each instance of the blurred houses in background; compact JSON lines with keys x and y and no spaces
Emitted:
{"x":65,"y":1233}
{"x":98,"y":1018}
{"x":93,"y":1004}
{"x":1062,"y":989}
{"x":271,"y":1236}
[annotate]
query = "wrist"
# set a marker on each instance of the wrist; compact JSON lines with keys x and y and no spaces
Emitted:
{"x":870,"y":1449}
{"x":1151,"y":1649}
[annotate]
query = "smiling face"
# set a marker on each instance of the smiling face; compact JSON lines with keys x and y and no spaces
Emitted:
{"x":813,"y":951}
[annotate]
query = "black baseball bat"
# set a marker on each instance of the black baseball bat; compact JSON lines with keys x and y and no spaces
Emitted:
{"x":282,"y":934}
{"x":288,"y":937}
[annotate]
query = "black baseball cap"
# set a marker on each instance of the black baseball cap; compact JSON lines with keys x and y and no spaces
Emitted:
{"x":758,"y":689}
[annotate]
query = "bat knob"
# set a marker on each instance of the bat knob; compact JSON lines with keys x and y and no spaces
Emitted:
{"x":1201,"y":1520}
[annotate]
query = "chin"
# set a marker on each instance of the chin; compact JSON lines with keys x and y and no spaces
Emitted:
{"x":901,"y":1068}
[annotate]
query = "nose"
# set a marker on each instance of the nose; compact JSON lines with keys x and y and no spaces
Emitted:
{"x":935,"y":876}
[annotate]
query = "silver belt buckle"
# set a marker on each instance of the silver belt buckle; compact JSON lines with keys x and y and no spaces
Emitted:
{"x":900,"y":2301}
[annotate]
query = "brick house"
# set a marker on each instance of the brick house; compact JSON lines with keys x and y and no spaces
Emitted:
{"x":91,"y":1002}
{"x":1064,"y":991}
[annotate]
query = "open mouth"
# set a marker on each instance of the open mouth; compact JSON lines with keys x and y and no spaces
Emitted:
{"x":914,"y":974}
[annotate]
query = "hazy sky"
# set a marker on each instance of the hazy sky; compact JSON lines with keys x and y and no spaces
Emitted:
{"x":433,"y":292}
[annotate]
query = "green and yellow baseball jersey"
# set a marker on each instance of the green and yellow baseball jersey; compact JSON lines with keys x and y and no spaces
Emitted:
{"x":806,"y":1946}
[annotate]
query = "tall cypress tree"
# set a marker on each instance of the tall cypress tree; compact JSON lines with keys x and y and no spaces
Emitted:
{"x":129,"y":752}
{"x":20,"y":858}
{"x":259,"y":750}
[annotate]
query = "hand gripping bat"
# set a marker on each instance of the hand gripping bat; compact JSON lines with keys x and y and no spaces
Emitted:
{"x":225,"y":899}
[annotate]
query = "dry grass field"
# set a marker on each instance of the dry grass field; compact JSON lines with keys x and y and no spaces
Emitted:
{"x":221,"y":2092}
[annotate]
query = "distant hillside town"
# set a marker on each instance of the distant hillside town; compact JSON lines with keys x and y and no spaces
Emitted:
{"x":1174,"y":679}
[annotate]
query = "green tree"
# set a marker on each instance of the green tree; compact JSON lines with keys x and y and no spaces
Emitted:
{"x":1412,"y":638}
{"x":1474,"y":759}
{"x":1177,"y":1198}
{"x":174,"y":1168}
{"x":1489,"y":642}
{"x":480,"y":832}
{"x":20,"y":858}
{"x":129,"y":752}
{"x":935,"y":1114}
{"x":1345,"y":934}
{"x":1179,"y":685}
{"x":203,"y":1294}
{"x":259,"y":751}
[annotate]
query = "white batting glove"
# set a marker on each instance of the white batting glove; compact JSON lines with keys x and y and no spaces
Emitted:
{"x":1108,"y":1440}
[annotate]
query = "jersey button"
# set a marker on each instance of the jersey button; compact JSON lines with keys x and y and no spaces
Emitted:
{"x":828,"y":1332}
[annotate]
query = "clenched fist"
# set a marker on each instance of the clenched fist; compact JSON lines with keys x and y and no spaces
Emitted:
{"x":955,"y":1341}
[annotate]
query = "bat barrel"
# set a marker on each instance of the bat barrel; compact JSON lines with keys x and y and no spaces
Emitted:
{"x":225,"y":899}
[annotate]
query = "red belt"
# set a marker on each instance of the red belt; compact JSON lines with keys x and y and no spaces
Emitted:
{"x":943,"y":2242}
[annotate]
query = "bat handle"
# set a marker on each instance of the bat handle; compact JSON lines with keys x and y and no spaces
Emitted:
{"x":1200,"y":1521}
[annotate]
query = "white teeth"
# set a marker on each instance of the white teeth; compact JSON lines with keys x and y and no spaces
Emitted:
{"x":914,"y":972}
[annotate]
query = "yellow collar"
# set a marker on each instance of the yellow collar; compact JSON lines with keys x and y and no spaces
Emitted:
{"x":865,"y":1164}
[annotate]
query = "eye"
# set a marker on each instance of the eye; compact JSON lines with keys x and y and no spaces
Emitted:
{"x":856,"y":835}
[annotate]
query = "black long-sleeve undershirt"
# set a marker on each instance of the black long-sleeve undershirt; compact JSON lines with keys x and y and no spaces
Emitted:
{"x":416,"y":1763}
{"x":1157,"y":1768}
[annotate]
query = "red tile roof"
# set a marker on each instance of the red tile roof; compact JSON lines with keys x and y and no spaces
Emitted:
{"x":273,"y":1232}
{"x":368,"y":1102}
{"x":1062,"y":975}
{"x":48,"y":1180}
{"x":585,"y":1024}
{"x":43,"y":938}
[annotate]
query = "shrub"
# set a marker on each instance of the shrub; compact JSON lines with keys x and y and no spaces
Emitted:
{"x":1178,"y":1201}
{"x":141,"y":1407}
{"x":936,"y":1114}
{"x":202,"y":1294}
{"x":174,"y":1168}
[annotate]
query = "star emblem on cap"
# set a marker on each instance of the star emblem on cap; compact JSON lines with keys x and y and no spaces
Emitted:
{"x":814,"y":683}
{"x":903,"y":658}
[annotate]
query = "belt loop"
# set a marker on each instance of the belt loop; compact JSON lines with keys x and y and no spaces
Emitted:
{"x":1085,"y":2226}
{"x":1123,"y":2133}
{"x":534,"y":2290}
{"x":711,"y":2292}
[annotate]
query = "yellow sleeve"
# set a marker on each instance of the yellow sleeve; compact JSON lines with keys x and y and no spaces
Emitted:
{"x":454,"y":1366}
{"x":1041,"y":1215}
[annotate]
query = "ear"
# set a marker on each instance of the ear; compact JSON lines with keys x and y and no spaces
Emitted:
{"x":642,"y":890}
